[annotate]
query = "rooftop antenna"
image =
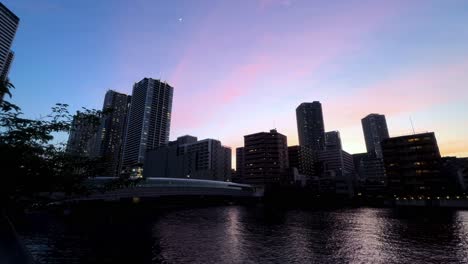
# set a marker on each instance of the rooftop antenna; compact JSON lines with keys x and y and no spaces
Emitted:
{"x":412,"y":126}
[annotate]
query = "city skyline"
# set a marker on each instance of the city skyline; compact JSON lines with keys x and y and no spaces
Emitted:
{"x":215,"y":93}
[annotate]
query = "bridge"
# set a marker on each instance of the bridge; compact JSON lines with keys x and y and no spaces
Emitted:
{"x":166,"y":187}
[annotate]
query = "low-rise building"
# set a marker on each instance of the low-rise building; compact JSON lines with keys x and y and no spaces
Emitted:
{"x":188,"y":157}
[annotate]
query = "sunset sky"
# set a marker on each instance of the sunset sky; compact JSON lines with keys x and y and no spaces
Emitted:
{"x":243,"y":66}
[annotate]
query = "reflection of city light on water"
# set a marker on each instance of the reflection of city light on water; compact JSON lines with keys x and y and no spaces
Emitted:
{"x":232,"y":230}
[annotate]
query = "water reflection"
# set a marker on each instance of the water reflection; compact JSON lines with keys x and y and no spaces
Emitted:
{"x":237,"y":234}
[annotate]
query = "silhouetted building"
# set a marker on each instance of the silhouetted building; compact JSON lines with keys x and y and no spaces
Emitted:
{"x":336,"y":166}
{"x":8,"y":26}
{"x":240,"y":165}
{"x":332,"y":140}
{"x":189,"y":158}
{"x":375,"y":130}
{"x":357,"y":158}
{"x":111,"y":132}
{"x":373,"y":171}
{"x":310,"y":125}
{"x":82,"y":135}
{"x":149,"y":121}
{"x":301,"y":164}
{"x":412,"y":164}
{"x":266,"y":158}
{"x":456,"y":170}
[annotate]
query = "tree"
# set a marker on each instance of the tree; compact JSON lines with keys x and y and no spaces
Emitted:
{"x":5,"y":87}
{"x":31,"y":163}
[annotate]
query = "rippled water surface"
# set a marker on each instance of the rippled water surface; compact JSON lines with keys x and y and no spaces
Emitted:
{"x":236,"y":234}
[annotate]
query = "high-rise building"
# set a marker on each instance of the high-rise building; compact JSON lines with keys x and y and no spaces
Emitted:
{"x":265,"y":157}
{"x":82,"y":135}
{"x":332,"y":140}
{"x":6,"y":68}
{"x":310,"y":125}
{"x":8,"y":26}
{"x":412,"y":164}
{"x":189,"y":158}
{"x":149,"y":120}
{"x":111,"y":133}
{"x":240,"y":165}
{"x":301,"y":158}
{"x":336,"y":167}
{"x":301,"y":164}
{"x":375,"y":130}
{"x":336,"y":160}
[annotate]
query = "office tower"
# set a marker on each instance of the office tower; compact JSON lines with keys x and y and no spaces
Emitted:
{"x":375,"y":130}
{"x":188,"y":157}
{"x":456,"y":169}
{"x":310,"y":125}
{"x":412,"y":165}
{"x":112,"y":130}
{"x":301,"y":158}
{"x":337,"y":160}
{"x":82,"y":135}
{"x":240,"y":165}
{"x":372,"y":170}
{"x":332,"y":140}
{"x":8,"y":26}
{"x":7,"y":66}
{"x":301,"y":164}
{"x":357,"y":159}
{"x":149,"y":120}
{"x":265,"y":157}
{"x":335,"y":167}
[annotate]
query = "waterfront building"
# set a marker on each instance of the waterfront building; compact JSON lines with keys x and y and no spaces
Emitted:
{"x":456,"y":170}
{"x":265,"y":158}
{"x":412,"y":165}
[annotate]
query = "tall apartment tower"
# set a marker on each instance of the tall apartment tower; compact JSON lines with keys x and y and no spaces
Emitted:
{"x":332,"y":140}
{"x":112,"y":130}
{"x":310,"y":126}
{"x":375,"y":131}
{"x":149,"y":121}
{"x":265,"y":158}
{"x":8,"y":26}
{"x":82,"y":135}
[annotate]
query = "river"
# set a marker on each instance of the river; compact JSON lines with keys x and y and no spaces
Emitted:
{"x":254,"y":234}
